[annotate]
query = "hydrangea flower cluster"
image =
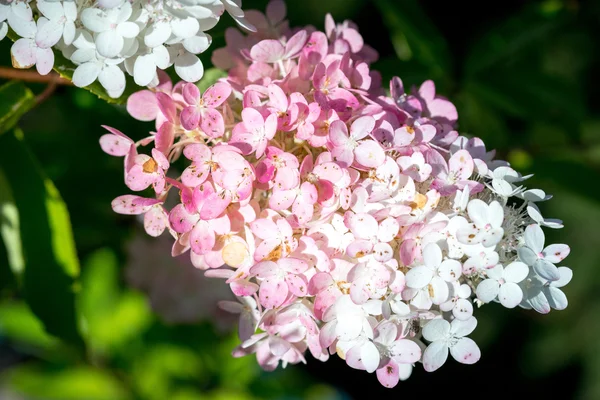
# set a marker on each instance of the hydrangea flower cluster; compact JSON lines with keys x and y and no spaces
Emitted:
{"x":107,"y":38}
{"x":345,"y":220}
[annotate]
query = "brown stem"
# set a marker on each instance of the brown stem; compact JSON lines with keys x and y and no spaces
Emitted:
{"x":32,"y":76}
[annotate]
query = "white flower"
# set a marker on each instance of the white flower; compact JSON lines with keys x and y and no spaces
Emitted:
{"x":144,"y":69}
{"x":536,"y":215}
{"x":61,"y":18}
{"x":344,"y":321}
{"x":445,"y":336}
{"x":480,"y":259}
{"x":504,"y":179}
{"x":486,"y":226}
{"x":431,"y":277}
{"x":541,"y":258}
{"x":19,"y":17}
{"x":542,"y":295}
{"x":249,"y":315}
{"x":112,"y":26}
{"x":459,"y":302}
{"x":502,"y":283}
{"x":26,"y":53}
{"x":92,"y":66}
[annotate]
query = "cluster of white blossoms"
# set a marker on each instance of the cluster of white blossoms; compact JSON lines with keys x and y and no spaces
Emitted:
{"x":106,"y":38}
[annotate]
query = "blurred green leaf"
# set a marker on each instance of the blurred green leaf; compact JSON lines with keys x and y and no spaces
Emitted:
{"x":10,"y":230}
{"x":162,"y":369}
{"x":516,"y":36}
{"x":111,"y":318}
{"x":15,"y":100}
{"x":74,"y":383}
{"x":19,"y":324}
{"x":211,"y":76}
{"x":51,"y":263}
{"x":410,"y":27}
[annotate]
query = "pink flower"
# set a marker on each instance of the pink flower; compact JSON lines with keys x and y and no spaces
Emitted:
{"x":202,"y":111}
{"x":253,"y":134}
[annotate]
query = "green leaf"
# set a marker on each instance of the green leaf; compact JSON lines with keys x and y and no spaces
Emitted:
{"x":15,"y":100}
{"x":51,"y":264}
{"x":211,"y":76}
{"x":75,"y":383}
{"x":112,"y":318}
{"x":18,"y":323}
{"x":515,"y":37}
{"x":414,"y":35}
{"x":10,"y":230}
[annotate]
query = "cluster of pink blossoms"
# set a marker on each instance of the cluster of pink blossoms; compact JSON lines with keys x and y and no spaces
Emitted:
{"x":346,"y":221}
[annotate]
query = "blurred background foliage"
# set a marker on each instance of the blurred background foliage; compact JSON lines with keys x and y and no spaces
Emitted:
{"x":133,"y":325}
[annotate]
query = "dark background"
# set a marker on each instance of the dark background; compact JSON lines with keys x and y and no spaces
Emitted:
{"x":524,"y":77}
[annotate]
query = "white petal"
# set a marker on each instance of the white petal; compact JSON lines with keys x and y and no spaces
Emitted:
{"x":419,"y":277}
{"x":3,"y":30}
{"x":161,"y":57}
{"x":185,"y":28}
{"x":527,"y":255}
{"x":463,"y":309}
{"x":25,"y":28}
{"x":70,"y":10}
{"x":349,"y":327}
{"x":450,"y":270}
{"x":493,"y":237}
{"x":23,"y":53}
{"x":370,"y":357}
{"x":50,"y":9}
{"x":534,"y":238}
{"x":157,"y":34}
{"x":435,"y":356}
{"x":112,"y":78}
{"x":86,"y":74}
{"x":44,"y":61}
{"x":566,"y":274}
{"x":197,"y":44}
{"x":109,"y":43}
{"x":466,"y":351}
{"x":95,"y":20}
{"x":478,"y":212}
{"x":189,"y":67}
{"x":438,"y":290}
{"x":144,"y":70}
{"x":487,"y":290}
{"x":495,"y":214}
{"x":21,"y":10}
{"x":49,"y":34}
{"x":69,"y":32}
{"x":128,"y":29}
{"x":556,"y":298}
{"x":546,"y":270}
{"x":463,"y":328}
{"x":538,"y":300}
{"x":510,"y":295}
{"x":432,"y":255}
{"x":515,"y":272}
{"x":436,"y":329}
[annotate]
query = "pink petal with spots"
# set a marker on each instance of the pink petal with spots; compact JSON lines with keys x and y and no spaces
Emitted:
{"x":202,"y":238}
{"x":180,"y":220}
{"x":297,"y":285}
{"x":216,"y":95}
{"x":241,"y":287}
{"x":264,"y":228}
{"x":362,"y":126}
{"x":164,"y":137}
{"x":555,"y":253}
{"x":212,"y":123}
{"x":155,"y":221}
{"x":264,"y":269}
{"x":369,"y":154}
{"x":293,"y":265}
{"x":137,"y":179}
{"x":215,"y":205}
{"x":132,"y":205}
{"x":295,"y":44}
{"x":266,"y":248}
{"x":461,"y":163}
{"x":190,"y":118}
{"x":389,"y":374}
{"x":273,"y":292}
{"x":115,"y":145}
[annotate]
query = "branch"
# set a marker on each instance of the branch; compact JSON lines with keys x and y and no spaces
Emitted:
{"x":32,"y":76}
